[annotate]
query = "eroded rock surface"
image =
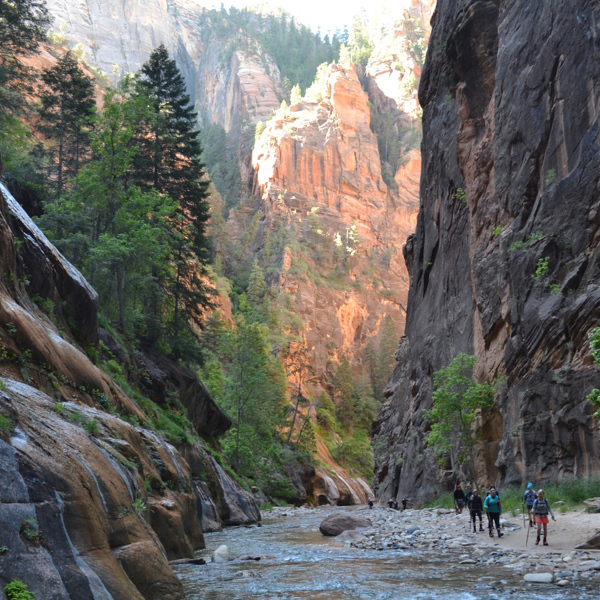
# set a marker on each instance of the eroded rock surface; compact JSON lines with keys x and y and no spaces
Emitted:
{"x":336,"y":524}
{"x":92,"y":506}
{"x":510,"y":175}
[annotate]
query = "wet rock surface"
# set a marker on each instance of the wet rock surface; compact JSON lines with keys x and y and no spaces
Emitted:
{"x":510,"y":172}
{"x":93,"y":506}
{"x":336,"y":524}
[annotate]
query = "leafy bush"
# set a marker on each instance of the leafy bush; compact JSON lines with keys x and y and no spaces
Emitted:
{"x":139,"y":505}
{"x":542,"y":268}
{"x":6,"y":425}
{"x":17,"y":590}
{"x":30,"y":529}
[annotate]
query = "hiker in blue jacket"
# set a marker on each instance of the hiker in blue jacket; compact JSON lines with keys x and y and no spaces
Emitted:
{"x":529,"y":498}
{"x":494,"y":510}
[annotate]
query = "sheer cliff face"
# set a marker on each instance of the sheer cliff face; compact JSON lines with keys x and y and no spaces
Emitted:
{"x":317,"y":169}
{"x":510,"y":94}
{"x":230,"y":89}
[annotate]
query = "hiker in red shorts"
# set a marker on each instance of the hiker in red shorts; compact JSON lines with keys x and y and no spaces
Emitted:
{"x":541,"y":508}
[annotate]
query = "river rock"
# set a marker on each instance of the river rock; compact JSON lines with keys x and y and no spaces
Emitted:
{"x":592,"y":544}
{"x":336,"y":524}
{"x":539,"y":577}
{"x":562,"y":582}
{"x":350,"y":535}
{"x":412,"y":529}
{"x":221,"y":554}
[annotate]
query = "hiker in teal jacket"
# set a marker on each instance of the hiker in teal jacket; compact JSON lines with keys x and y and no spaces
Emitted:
{"x":494,"y":510}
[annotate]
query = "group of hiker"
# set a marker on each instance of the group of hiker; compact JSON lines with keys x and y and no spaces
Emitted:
{"x":538,"y":509}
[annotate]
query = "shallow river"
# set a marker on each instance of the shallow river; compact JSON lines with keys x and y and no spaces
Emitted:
{"x":297,"y":562}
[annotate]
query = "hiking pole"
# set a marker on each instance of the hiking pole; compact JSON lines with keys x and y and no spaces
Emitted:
{"x":527,"y":540}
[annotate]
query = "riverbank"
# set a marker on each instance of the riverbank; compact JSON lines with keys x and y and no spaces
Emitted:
{"x":442,"y":530}
{"x":287,"y":558}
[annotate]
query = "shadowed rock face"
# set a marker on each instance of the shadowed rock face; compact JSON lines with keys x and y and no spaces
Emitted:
{"x":510,"y":94}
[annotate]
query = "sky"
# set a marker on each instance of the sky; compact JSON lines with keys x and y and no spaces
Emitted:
{"x":327,"y":14}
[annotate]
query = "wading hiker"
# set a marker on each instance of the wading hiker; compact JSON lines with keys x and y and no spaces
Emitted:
{"x":475,"y":509}
{"x":541,"y":508}
{"x":494,"y":510}
{"x":370,"y":503}
{"x":529,"y":498}
{"x":459,"y":499}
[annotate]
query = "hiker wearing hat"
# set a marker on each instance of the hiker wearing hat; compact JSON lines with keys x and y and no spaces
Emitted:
{"x":459,"y":499}
{"x":528,"y":499}
{"x":541,"y":508}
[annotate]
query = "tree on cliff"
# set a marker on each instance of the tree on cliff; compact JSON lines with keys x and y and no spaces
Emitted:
{"x":169,"y":162}
{"x":67,"y":107}
{"x":594,"y":338}
{"x":343,"y":387}
{"x":456,"y":399}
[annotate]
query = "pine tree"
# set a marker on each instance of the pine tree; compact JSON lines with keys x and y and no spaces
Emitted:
{"x":344,"y":393}
{"x":169,"y":161}
{"x":22,"y":26}
{"x":67,"y":107}
{"x":295,"y":95}
{"x":257,"y":287}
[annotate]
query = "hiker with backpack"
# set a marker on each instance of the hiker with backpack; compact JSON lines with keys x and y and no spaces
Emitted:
{"x":459,"y":499}
{"x":541,"y":508}
{"x":528,"y":499}
{"x":494,"y":510}
{"x":475,"y":509}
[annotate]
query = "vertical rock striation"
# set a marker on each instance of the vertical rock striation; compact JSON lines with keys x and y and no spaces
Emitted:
{"x":317,"y":170}
{"x":505,"y":260}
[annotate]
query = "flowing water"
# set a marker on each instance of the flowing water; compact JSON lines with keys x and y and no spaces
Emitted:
{"x":297,"y":562}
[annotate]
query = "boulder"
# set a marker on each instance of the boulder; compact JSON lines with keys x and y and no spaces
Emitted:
{"x":412,"y":529}
{"x":336,"y":524}
{"x":592,"y":544}
{"x":221,"y":554}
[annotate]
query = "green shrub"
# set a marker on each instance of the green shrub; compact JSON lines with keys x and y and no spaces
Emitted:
{"x":30,"y":529}
{"x":460,"y":195}
{"x":542,"y":268}
{"x":3,"y":549}
{"x":519,"y":245}
{"x":17,"y":590}
{"x":6,"y":425}
{"x":497,"y":231}
{"x":92,"y":427}
{"x":139,"y":505}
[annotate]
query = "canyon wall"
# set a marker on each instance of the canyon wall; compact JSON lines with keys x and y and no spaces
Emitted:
{"x":117,"y":36}
{"x":94,"y":503}
{"x":504,"y":263}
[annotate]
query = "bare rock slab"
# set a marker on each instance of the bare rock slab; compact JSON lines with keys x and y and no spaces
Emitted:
{"x":335,"y":524}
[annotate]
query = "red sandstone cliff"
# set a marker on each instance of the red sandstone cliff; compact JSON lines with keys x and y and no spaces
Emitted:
{"x":317,"y":168}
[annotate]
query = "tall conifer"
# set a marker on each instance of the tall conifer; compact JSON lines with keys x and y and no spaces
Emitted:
{"x":67,"y":107}
{"x":169,"y":161}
